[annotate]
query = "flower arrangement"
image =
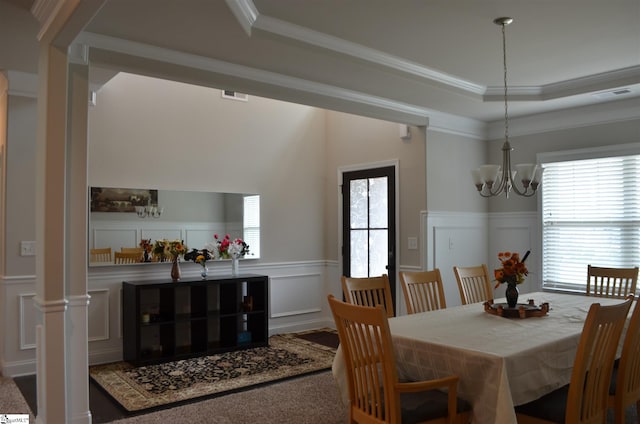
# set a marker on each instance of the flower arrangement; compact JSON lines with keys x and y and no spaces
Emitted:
{"x":513,"y":269}
{"x":228,"y":248}
{"x":198,"y":256}
{"x":147,"y":248}
{"x":169,"y":249}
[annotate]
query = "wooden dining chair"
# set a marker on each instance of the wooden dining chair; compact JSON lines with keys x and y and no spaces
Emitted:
{"x":126,"y":258}
{"x":585,"y":399}
{"x":611,"y":282}
{"x":369,"y":291}
{"x":375,"y":393}
{"x":423,"y":290}
{"x":474,"y":283}
{"x":100,"y":255}
{"x":624,"y":389}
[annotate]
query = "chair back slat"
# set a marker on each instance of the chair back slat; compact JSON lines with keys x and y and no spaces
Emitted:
{"x":611,"y":282}
{"x":126,"y":258}
{"x":369,"y":291}
{"x":102,"y":254}
{"x":423,"y":291}
{"x":474,"y":284}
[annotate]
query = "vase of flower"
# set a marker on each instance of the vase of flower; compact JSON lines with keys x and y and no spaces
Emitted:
{"x":235,"y":266}
{"x":512,"y":273}
{"x":512,"y":294}
{"x":175,"y":269}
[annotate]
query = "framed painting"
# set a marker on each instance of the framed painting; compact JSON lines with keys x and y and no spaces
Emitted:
{"x":109,"y":199}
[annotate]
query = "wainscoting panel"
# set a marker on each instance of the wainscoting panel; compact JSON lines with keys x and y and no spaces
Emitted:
{"x":454,"y":239}
{"x":27,"y":321}
{"x":296,"y":295}
{"x":98,"y":315}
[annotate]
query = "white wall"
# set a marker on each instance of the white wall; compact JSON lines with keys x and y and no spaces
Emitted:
{"x":150,"y":133}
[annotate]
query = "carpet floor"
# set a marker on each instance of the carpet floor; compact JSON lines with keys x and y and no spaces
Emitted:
{"x":137,"y":388}
{"x":318,"y":344}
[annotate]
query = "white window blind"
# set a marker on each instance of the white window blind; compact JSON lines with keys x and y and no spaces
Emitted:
{"x":590,"y":215}
{"x":251,"y":224}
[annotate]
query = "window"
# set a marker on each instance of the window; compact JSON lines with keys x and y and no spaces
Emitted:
{"x":590,"y":213}
{"x":251,"y":224}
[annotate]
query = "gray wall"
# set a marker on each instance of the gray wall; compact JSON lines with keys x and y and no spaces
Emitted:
{"x":20,"y":188}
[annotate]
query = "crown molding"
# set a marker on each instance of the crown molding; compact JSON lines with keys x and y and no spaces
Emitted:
{"x":591,"y":83}
{"x":414,"y":115}
{"x":253,"y":23}
{"x":307,"y":36}
{"x":337,"y":98}
{"x":249,"y":17}
{"x":43,"y":10}
{"x":245,"y":12}
{"x":585,"y":116}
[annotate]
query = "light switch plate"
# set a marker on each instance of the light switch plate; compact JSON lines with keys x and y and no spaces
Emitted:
{"x":27,"y":248}
{"x":412,"y":243}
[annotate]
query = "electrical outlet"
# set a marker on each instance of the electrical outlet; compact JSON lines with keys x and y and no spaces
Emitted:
{"x":27,"y":248}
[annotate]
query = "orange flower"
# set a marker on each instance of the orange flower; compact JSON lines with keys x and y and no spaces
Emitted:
{"x":513,"y":269}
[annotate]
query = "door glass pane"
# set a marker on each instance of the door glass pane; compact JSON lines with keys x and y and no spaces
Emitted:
{"x":359,"y":253}
{"x":358,"y":204}
{"x":378,"y":202}
{"x":378,"y":252}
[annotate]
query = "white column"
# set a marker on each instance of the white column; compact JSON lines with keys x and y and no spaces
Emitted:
{"x":62,"y":390}
{"x":76,"y":236}
{"x":51,"y":248}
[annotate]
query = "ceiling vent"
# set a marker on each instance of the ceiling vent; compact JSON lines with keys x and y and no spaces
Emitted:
{"x":612,"y":93}
{"x":234,"y":95}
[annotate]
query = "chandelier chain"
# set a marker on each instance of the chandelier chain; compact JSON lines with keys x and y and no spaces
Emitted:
{"x":504,"y":61}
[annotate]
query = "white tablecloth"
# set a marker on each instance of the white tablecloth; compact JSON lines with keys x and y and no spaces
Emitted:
{"x":501,"y":362}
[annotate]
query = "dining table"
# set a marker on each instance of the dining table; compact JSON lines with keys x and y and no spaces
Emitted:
{"x":501,"y":362}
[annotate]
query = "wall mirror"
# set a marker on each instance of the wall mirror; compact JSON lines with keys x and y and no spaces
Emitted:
{"x":120,"y":218}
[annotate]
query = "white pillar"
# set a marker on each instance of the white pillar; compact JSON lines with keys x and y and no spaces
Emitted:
{"x":76,"y":236}
{"x":51,"y":248}
{"x":62,"y":390}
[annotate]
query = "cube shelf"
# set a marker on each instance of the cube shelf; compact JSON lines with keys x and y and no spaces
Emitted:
{"x":165,"y":320}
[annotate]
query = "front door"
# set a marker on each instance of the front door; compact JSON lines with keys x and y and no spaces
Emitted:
{"x":368,"y":224}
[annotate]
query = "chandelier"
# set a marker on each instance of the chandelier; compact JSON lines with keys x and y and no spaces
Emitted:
{"x":149,"y":211}
{"x":493,"y":180}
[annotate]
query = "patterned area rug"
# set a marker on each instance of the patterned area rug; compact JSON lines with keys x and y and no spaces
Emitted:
{"x":138,"y":388}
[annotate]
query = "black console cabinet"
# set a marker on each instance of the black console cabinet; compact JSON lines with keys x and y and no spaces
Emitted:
{"x":165,"y":320}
